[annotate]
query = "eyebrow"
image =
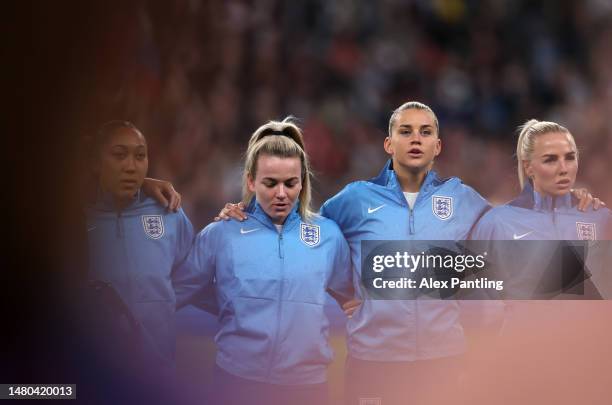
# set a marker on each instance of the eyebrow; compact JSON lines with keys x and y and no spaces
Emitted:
{"x":410,"y":126}
{"x":273,"y":179}
{"x":565,"y":154}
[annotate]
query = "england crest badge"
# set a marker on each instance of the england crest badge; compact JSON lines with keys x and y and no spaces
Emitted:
{"x":153,"y":226}
{"x":586,"y":231}
{"x":442,"y":206}
{"x":310,"y":234}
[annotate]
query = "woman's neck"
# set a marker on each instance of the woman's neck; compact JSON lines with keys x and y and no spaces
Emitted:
{"x":544,"y":194}
{"x":410,"y":181}
{"x":119,"y":203}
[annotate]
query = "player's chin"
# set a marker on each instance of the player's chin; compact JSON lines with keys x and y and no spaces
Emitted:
{"x":560,"y":192}
{"x":125,"y":193}
{"x":279,"y":219}
{"x":278,"y":215}
{"x":416,"y":164}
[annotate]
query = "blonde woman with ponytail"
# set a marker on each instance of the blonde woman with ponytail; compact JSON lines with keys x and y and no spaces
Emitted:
{"x":546,"y":209}
{"x":271,"y":274}
{"x":547,"y":165}
{"x":536,"y":266}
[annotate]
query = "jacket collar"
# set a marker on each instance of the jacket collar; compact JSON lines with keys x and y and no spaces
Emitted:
{"x":104,"y":200}
{"x":531,"y":199}
{"x":256,"y":211}
{"x":388,"y":178}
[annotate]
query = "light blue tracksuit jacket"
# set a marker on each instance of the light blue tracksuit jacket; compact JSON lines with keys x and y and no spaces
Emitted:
{"x":271,"y":290}
{"x":535,"y":217}
{"x":136,"y":250}
{"x":404,"y":330}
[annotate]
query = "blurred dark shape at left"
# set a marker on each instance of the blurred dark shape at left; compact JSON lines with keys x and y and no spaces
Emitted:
{"x":57,"y":66}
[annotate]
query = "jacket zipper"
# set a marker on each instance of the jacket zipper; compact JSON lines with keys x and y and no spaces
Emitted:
{"x":410,"y":210}
{"x":554,"y":217}
{"x":120,"y":232}
{"x":280,"y":303}
{"x":119,"y":226}
{"x":411,"y":229}
{"x":415,"y":302}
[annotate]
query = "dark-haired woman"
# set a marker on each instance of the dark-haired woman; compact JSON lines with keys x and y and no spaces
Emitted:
{"x":134,"y":242}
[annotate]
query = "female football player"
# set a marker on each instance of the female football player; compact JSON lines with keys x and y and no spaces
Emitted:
{"x":135,"y":244}
{"x":271,"y":273}
{"x":545,"y":210}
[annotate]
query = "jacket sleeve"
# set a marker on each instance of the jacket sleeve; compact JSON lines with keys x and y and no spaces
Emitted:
{"x":608,"y":226}
{"x":478,"y":313}
{"x":340,"y":283}
{"x":197,"y":271}
{"x":184,"y":240}
{"x":341,"y":209}
{"x":478,"y":209}
{"x":484,"y":229}
{"x":329,"y":210}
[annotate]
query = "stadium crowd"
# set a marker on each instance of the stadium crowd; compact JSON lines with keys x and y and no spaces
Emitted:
{"x":198,"y":77}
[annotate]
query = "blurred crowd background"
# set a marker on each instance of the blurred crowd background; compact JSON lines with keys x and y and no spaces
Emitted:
{"x":198,"y":77}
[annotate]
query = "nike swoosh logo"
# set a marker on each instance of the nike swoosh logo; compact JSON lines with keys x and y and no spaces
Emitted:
{"x":245,"y":231}
{"x":515,"y":236}
{"x":91,"y":229}
{"x":371,"y":210}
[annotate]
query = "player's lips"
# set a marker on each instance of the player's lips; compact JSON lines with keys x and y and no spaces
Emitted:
{"x":280,"y":206}
{"x":415,"y":152}
{"x":128,"y":182}
{"x":563,"y":182}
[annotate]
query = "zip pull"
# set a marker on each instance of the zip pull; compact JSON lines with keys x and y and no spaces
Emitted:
{"x":554,"y":218}
{"x":280,"y":244}
{"x":411,"y":222}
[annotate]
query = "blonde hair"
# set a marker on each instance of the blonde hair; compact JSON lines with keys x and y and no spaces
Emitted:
{"x":283,"y":139}
{"x":528,"y":132}
{"x":412,"y":105}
